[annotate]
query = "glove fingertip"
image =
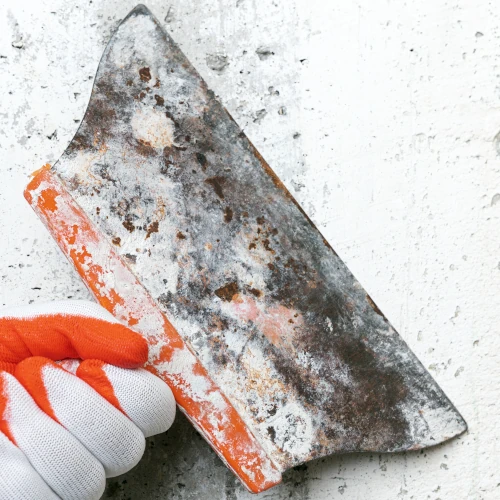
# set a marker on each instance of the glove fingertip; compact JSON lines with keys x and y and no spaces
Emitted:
{"x":118,"y":345}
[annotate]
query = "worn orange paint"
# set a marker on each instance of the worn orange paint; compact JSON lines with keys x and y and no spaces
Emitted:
{"x":239,"y":448}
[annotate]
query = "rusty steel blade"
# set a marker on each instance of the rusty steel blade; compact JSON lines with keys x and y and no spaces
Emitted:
{"x":275,"y":317}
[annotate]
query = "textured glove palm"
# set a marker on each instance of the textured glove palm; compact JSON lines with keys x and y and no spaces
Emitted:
{"x":75,"y":406}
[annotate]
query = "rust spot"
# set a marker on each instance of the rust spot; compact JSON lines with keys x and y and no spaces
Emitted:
{"x":180,"y":235}
{"x":152,"y":228}
{"x":271,"y":266}
{"x":103,"y":171}
{"x":272,"y":433}
{"x":117,"y":241}
{"x":157,"y":84}
{"x":260,"y":220}
{"x":159,"y":100}
{"x":267,"y":246}
{"x":227,"y":292}
{"x":228,"y":214}
{"x":374,"y":306}
{"x":131,"y":257}
{"x":252,"y":246}
{"x":144,"y":148}
{"x":129,"y":226}
{"x":145,"y":74}
{"x":97,"y":210}
{"x":377,"y":394}
{"x":255,"y":292}
{"x":216,"y":183}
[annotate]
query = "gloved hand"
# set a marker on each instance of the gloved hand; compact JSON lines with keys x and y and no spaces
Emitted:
{"x":66,"y":425}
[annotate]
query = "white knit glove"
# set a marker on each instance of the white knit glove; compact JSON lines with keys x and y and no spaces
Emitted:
{"x":66,"y":426}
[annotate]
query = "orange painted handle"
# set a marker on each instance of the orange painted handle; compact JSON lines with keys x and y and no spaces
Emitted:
{"x":118,"y":290}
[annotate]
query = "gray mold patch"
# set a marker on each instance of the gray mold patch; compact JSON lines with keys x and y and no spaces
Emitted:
{"x":274,"y":315}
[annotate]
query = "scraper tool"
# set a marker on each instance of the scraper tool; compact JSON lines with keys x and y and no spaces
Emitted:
{"x":179,"y":227}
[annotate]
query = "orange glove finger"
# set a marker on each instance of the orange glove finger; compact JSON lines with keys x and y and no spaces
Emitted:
{"x":68,"y":329}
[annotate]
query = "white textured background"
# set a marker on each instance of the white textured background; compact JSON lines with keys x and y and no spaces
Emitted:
{"x":381,"y":117}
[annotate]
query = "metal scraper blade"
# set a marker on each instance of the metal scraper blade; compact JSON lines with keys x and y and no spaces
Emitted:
{"x":179,"y":227}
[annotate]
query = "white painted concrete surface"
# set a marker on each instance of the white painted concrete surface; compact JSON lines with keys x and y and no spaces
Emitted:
{"x":382,"y":119}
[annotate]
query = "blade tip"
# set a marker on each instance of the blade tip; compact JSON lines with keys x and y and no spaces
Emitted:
{"x":460,"y":427}
{"x":139,"y":10}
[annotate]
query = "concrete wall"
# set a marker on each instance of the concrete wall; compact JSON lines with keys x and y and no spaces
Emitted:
{"x":381,"y":117}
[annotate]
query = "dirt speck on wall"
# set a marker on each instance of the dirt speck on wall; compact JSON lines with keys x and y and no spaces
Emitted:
{"x":381,"y":120}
